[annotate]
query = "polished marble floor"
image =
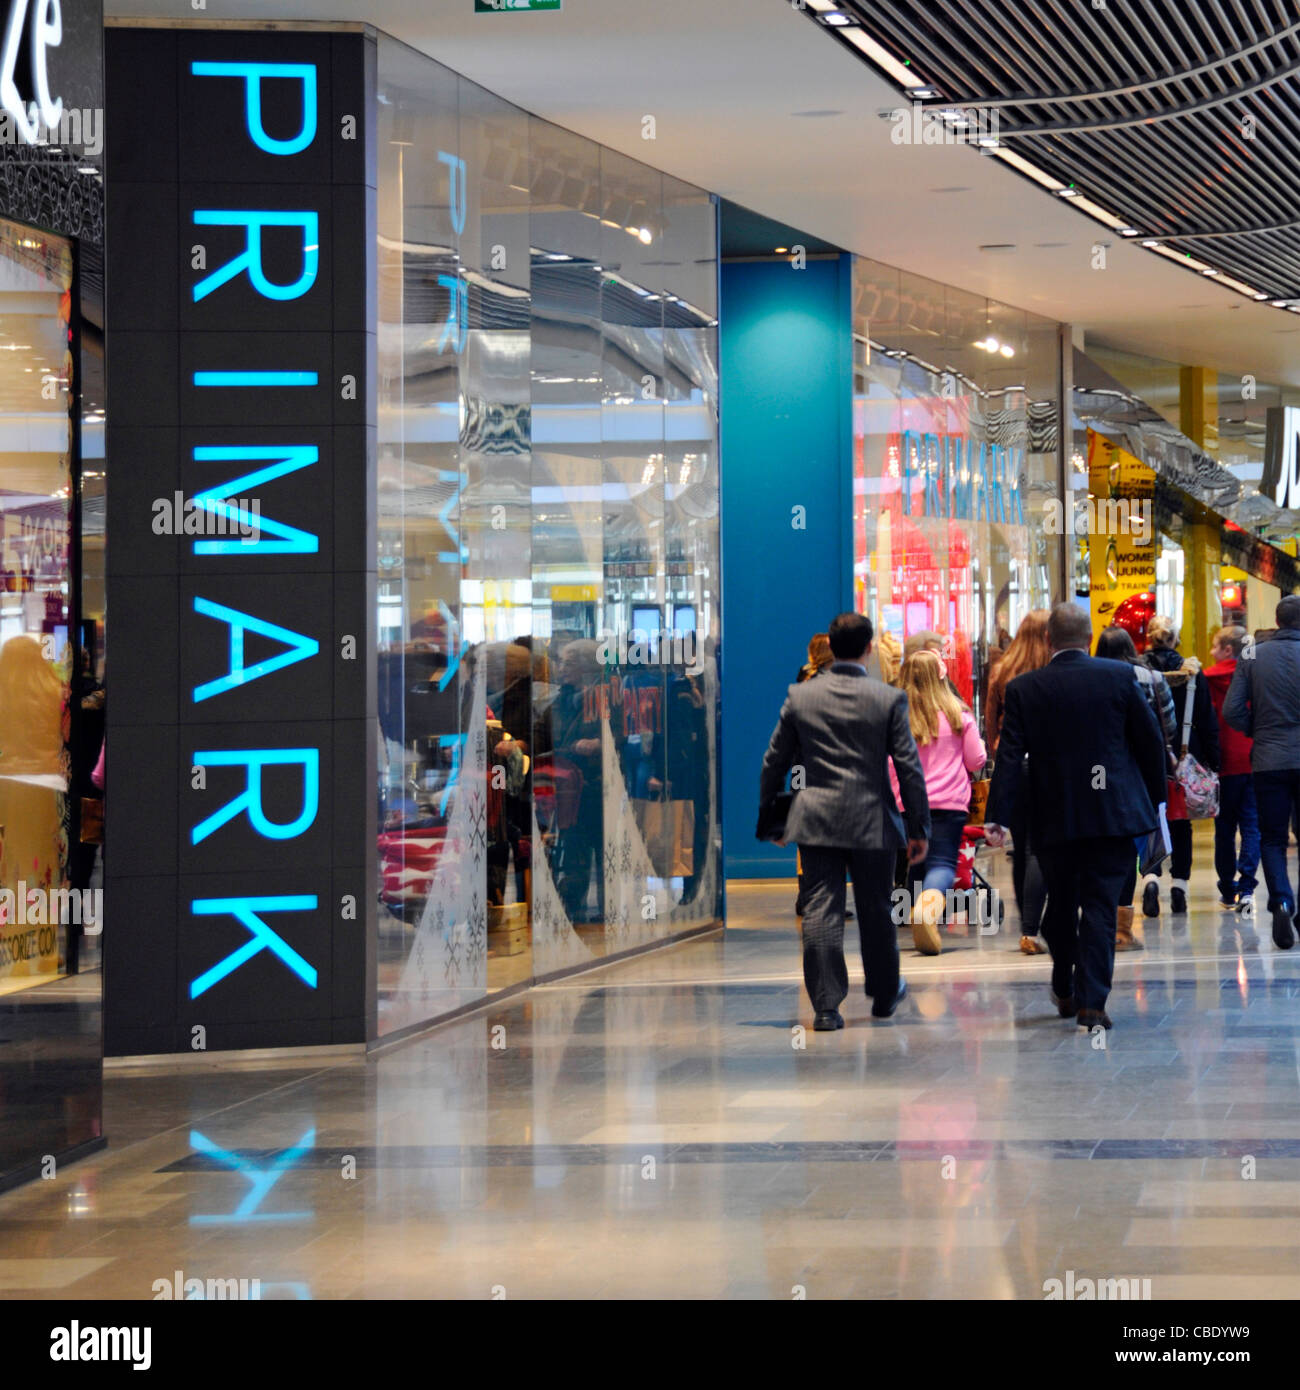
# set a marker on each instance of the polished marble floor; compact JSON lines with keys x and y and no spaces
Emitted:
{"x":662,"y":1128}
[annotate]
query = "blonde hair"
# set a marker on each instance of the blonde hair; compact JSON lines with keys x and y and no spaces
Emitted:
{"x":928,"y":697}
{"x":1161,"y":632}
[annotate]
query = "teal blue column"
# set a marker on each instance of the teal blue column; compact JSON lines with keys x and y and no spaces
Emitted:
{"x":786,"y":365}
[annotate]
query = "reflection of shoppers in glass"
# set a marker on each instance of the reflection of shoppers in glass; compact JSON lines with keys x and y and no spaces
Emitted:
{"x":1029,"y":651}
{"x":33,"y":800}
{"x":1203,"y":744}
{"x":1261,"y":702}
{"x":951,"y":749}
{"x":1237,"y":812}
{"x":576,"y":720}
{"x":1115,"y":644}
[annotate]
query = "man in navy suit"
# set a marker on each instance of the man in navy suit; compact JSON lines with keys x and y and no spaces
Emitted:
{"x":1080,"y":743}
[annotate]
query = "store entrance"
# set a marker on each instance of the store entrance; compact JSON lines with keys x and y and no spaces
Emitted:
{"x":41,"y":887}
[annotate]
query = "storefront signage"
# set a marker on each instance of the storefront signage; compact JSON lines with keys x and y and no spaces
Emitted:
{"x":35,"y":28}
{"x":263,"y":433}
{"x":1281,"y":478}
{"x":961,"y":479}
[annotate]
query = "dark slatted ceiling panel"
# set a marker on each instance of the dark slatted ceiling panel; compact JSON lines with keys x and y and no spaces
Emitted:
{"x":1180,"y":116}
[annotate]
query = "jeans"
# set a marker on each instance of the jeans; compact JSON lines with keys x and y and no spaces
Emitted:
{"x":940,"y":866}
{"x":1277,"y":796}
{"x":1237,"y":812}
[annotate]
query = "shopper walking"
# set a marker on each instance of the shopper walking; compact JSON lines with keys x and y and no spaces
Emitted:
{"x":820,"y":658}
{"x":1094,"y":775}
{"x":1029,"y":651}
{"x":1263,"y":702}
{"x":1237,"y":812}
{"x":1185,"y":681}
{"x":951,"y":750}
{"x":839,"y":731}
{"x":1116,"y":644}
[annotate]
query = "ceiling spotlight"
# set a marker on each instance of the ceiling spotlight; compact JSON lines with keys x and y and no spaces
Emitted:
{"x":1260,"y":296}
{"x":1151,"y":245}
{"x":923,"y":93}
{"x":645,"y":236}
{"x":780,"y":250}
{"x":1070,"y":192}
{"x":836,"y":19}
{"x":1007,"y":350}
{"x":1210,"y":271}
{"x":1127,"y":231}
{"x":988,"y":142}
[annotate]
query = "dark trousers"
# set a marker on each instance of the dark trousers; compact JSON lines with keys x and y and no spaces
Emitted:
{"x":1026,"y":878}
{"x":1084,"y":880}
{"x":825,"y":974}
{"x":1237,"y":813}
{"x":1277,"y":795}
{"x":1180,"y":850}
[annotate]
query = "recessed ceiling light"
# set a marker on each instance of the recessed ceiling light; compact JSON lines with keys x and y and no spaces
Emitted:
{"x":1007,"y":350}
{"x":1150,"y":245}
{"x":1070,"y":192}
{"x":780,"y":250}
{"x":836,"y":19}
{"x":1211,"y":271}
{"x":1127,"y":231}
{"x":923,"y":93}
{"x":987,"y":142}
{"x":1261,"y":296}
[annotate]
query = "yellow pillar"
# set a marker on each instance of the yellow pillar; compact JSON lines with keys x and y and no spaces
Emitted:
{"x":1198,"y":415}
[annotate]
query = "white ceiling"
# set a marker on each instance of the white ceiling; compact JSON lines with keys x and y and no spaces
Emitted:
{"x":723,"y":78}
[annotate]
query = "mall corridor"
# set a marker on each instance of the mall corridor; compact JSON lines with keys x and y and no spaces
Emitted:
{"x":656,"y":1129}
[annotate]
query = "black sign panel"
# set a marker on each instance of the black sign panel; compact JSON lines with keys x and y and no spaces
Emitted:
{"x":241,"y":541}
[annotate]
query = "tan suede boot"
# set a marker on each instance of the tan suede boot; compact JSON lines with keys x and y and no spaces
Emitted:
{"x":1124,"y":938}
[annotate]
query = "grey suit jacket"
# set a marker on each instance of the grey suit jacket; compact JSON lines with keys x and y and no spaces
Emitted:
{"x":839,"y":728}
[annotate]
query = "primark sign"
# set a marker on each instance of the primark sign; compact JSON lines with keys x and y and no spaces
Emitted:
{"x":1281,"y":478}
{"x":265,"y":619}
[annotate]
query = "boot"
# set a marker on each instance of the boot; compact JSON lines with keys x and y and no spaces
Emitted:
{"x":1178,"y":896}
{"x":1124,"y":938}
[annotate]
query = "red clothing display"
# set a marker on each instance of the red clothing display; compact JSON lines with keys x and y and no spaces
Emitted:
{"x":1235,"y":747}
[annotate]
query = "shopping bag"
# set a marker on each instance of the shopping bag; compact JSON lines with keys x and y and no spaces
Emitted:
{"x":1155,"y":848}
{"x":668,"y":829}
{"x":1193,"y":789}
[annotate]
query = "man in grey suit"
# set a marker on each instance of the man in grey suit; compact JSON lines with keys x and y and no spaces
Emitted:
{"x":836,"y":733}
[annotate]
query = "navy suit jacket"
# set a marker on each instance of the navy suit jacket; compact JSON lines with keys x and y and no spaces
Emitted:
{"x":1080,"y":742}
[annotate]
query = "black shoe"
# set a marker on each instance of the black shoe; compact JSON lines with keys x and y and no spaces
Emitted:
{"x":1177,"y":900}
{"x":827,"y":1021}
{"x":1066,"y":1007}
{"x":1151,"y":900}
{"x":877,"y":1011}
{"x":1094,"y":1018}
{"x":1283,"y":936}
